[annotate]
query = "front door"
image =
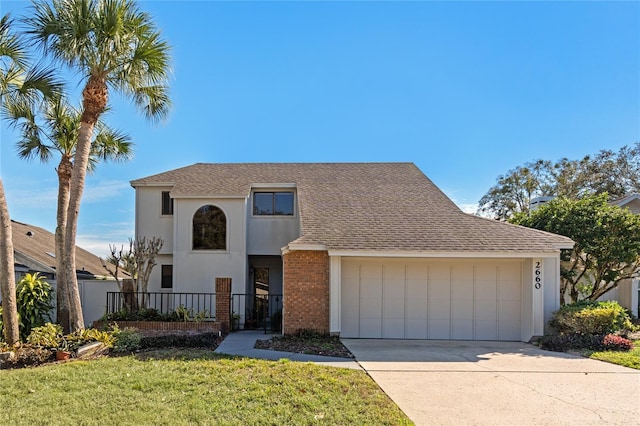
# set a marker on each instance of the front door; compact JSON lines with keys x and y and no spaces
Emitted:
{"x":261,"y":291}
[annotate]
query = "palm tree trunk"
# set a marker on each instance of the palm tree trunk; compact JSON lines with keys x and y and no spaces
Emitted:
{"x":7,"y":275}
{"x":94,"y":101}
{"x":62,"y":295}
{"x":78,"y":177}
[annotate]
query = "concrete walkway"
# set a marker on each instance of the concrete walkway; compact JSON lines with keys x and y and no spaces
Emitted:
{"x":498,"y":383}
{"x":242,"y":343}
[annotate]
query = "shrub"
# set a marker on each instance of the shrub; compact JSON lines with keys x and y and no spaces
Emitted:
{"x":594,"y":342}
{"x":127,"y":340}
{"x":588,"y":317}
{"x":612,"y":342}
{"x":89,"y":335}
{"x":47,"y":336}
{"x":34,"y":297}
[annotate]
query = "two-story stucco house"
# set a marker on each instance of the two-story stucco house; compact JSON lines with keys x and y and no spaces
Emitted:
{"x":371,"y":250}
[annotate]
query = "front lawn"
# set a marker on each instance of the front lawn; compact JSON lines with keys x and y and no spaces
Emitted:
{"x":629,"y":359}
{"x":179,"y":387}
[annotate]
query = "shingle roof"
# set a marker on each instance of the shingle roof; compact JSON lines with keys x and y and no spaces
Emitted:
{"x":390,"y":207}
{"x":34,"y":247}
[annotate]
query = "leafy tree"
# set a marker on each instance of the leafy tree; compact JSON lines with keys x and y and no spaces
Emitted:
{"x":607,"y":243}
{"x":19,"y":84}
{"x":54,"y":128}
{"x":117,"y":47}
{"x":615,"y":173}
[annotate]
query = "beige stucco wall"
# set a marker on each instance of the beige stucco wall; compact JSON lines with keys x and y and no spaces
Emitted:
{"x":196,"y":270}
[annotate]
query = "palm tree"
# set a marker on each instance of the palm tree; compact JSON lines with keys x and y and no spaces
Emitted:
{"x":57,"y":131}
{"x":116,"y":47}
{"x":18,"y":85}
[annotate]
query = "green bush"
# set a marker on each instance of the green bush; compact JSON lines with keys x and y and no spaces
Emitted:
{"x":89,"y":335}
{"x":34,"y":297}
{"x":126,"y":341}
{"x":589,"y":317}
{"x":599,"y":342}
{"x":47,"y":336}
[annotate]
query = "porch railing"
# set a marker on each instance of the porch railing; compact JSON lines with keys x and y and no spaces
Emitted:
{"x":200,"y":305}
{"x":256,"y":312}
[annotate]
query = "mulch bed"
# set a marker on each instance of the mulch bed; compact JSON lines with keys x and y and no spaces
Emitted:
{"x":326,"y":346}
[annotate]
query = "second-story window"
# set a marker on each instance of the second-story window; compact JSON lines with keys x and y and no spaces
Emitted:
{"x":273,"y":203}
{"x":167,"y":204}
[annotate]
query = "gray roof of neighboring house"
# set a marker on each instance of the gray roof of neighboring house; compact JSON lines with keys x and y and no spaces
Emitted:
{"x":390,"y":207}
{"x":34,"y":247}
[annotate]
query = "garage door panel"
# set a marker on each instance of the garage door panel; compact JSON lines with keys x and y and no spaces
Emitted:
{"x":509,"y":330}
{"x":350,"y":271}
{"x":371,"y":328}
{"x":350,"y":326}
{"x":439,"y":309}
{"x":485,"y":290}
{"x":417,"y":271}
{"x":393,"y":307}
{"x":509,"y":290}
{"x":462,"y":329}
{"x":370,"y":308}
{"x":509,"y":312}
{"x":417,"y":309}
{"x":393,"y":328}
{"x":370,"y":270}
{"x":462,"y":309}
{"x":439,"y":329}
{"x":485,"y":330}
{"x":416,"y":289}
{"x":439,"y":289}
{"x":485,"y":310}
{"x":462,"y":290}
{"x":416,"y":329}
{"x":440,"y":272}
{"x":371,"y":287}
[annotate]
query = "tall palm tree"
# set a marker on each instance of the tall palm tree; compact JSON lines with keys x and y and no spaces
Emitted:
{"x":116,"y":47}
{"x":56,"y":129}
{"x":18,"y":85}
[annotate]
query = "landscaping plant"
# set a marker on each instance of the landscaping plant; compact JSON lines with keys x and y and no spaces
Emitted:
{"x":34,"y":297}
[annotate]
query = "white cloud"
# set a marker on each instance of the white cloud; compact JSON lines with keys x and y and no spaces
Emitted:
{"x":104,"y":190}
{"x":468,"y":207}
{"x":114,"y":234}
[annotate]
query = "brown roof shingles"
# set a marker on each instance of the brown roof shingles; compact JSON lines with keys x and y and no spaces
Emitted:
{"x":390,"y":207}
{"x":36,"y":246}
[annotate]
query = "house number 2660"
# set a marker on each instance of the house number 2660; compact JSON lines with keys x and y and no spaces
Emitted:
{"x":538,"y":276}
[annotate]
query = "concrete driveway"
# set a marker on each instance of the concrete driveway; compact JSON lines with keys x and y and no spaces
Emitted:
{"x":498,"y":383}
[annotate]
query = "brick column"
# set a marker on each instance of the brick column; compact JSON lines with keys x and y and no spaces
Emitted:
{"x":223,"y":302}
{"x":306,"y":291}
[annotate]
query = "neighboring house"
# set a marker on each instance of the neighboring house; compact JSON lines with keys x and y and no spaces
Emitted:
{"x":628,"y":291}
{"x":371,"y":250}
{"x":631,"y":202}
{"x":34,"y":251}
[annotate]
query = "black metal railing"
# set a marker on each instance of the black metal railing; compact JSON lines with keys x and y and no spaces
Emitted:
{"x":256,"y":311}
{"x":200,"y":306}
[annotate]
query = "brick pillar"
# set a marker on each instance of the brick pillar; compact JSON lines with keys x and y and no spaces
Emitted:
{"x":223,"y":302}
{"x":306,"y":291}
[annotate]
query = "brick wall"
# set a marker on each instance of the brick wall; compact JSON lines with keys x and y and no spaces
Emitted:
{"x":223,"y":302}
{"x":306,"y":291}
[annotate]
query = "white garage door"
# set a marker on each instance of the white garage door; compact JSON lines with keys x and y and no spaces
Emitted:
{"x":435,"y":299}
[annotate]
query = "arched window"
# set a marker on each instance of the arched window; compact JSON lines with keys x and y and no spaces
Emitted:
{"x":209,"y":229}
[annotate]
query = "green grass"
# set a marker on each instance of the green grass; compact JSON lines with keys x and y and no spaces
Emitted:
{"x":629,"y":359}
{"x":172,"y":387}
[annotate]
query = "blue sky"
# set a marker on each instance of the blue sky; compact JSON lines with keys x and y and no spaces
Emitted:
{"x":465,"y":90}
